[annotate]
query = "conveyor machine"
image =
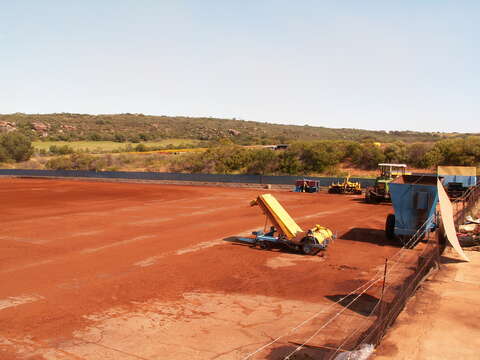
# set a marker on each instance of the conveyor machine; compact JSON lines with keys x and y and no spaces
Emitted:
{"x":285,"y":232}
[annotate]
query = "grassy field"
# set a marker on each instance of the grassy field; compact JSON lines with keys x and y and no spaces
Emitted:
{"x":106,"y":146}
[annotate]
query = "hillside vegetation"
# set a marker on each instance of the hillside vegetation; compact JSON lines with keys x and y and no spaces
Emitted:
{"x":328,"y":157}
{"x":125,"y":141}
{"x":138,"y":127}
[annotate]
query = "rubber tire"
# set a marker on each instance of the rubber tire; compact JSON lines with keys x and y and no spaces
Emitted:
{"x":368,"y":199}
{"x":390,"y":227}
{"x":263,"y":245}
{"x":306,"y":247}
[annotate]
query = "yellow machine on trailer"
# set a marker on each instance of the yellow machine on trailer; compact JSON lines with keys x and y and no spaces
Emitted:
{"x":285,"y":232}
{"x":347,"y":187}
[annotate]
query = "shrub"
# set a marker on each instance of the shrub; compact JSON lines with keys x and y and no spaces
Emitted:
{"x":262,"y":162}
{"x":16,"y":146}
{"x":61,"y":150}
{"x":4,"y":156}
{"x":76,"y":162}
{"x":119,"y":138}
{"x":141,"y":148}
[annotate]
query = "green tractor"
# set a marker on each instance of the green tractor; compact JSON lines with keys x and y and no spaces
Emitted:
{"x":381,"y":192}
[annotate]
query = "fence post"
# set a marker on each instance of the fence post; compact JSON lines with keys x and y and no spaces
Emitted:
{"x":382,"y":306}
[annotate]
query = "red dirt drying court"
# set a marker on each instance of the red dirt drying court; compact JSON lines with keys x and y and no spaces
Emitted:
{"x":99,"y":270}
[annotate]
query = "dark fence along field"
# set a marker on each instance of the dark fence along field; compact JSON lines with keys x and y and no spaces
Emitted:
{"x":214,"y":178}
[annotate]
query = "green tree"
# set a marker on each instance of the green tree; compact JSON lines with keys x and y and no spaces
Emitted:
{"x":416,"y":155}
{"x":458,"y":151}
{"x":262,"y":162}
{"x":318,"y":156}
{"x":369,"y":156}
{"x":396,"y":152}
{"x":17,"y":146}
{"x":4,"y":157}
{"x":289,"y":163}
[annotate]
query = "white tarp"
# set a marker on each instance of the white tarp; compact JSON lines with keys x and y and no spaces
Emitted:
{"x":446,"y":210}
{"x":363,"y":353}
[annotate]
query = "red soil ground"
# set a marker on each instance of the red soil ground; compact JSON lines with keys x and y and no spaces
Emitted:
{"x":73,"y":250}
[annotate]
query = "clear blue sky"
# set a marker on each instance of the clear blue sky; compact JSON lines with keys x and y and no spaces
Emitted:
{"x":406,"y":64}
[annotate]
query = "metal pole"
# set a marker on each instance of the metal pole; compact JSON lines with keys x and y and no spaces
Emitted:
{"x":384,"y":277}
{"x":383,"y":288}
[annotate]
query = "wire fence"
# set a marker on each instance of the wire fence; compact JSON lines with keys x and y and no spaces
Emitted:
{"x":364,"y":315}
{"x":382,"y":304}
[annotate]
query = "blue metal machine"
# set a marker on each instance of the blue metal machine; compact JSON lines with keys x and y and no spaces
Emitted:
{"x":309,"y":186}
{"x":457,"y":179}
{"x":414,"y":200}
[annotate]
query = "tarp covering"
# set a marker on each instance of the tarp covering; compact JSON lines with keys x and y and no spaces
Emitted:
{"x":284,"y":220}
{"x":457,"y":170}
{"x":446,"y":210}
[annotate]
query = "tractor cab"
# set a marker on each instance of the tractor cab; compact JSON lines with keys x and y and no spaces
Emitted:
{"x":387,"y":173}
{"x":391,"y":171}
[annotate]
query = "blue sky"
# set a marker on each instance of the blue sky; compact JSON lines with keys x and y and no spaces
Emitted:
{"x":364,"y":64}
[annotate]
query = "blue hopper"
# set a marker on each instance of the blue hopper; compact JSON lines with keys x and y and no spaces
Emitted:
{"x":414,"y":200}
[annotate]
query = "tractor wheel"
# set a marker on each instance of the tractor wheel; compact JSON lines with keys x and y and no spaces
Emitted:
{"x":308,"y":248}
{"x":263,"y":245}
{"x":367,"y":196}
{"x":390,"y":226}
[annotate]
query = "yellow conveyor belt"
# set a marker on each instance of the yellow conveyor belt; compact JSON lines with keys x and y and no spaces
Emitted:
{"x":279,"y":215}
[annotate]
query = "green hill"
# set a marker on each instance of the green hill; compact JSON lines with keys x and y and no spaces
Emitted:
{"x":139,"y":127}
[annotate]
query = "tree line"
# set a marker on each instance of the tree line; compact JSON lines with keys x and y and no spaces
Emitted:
{"x":300,"y":158}
{"x":326,"y":156}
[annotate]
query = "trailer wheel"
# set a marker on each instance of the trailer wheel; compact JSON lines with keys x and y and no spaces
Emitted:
{"x":308,"y":248}
{"x":263,"y":245}
{"x":390,"y":226}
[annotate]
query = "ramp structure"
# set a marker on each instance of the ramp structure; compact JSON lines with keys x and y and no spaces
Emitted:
{"x":278,"y":216}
